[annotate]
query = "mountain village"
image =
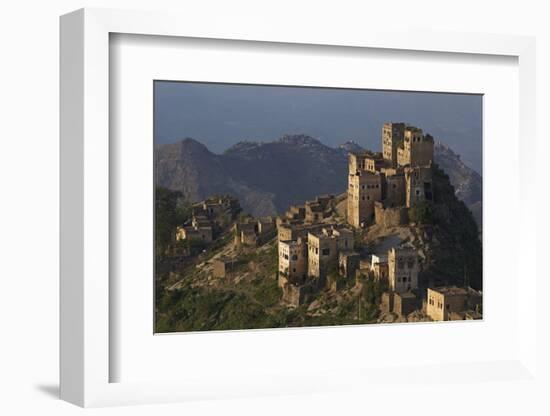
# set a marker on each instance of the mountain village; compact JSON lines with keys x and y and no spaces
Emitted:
{"x":320,"y":244}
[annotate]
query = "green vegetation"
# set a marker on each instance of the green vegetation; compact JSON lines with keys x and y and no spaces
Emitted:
{"x":170,"y":210}
{"x":421,"y":213}
{"x":200,"y":309}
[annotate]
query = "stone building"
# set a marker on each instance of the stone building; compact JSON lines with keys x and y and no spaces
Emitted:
{"x":200,"y":221}
{"x":314,"y":212}
{"x":392,"y":136}
{"x":216,"y":206}
{"x":286,"y":232}
{"x":344,"y":237}
{"x":418,"y":185}
{"x":249,"y":237}
{"x":191,"y":232}
{"x":403,"y":269}
{"x":401,"y":304}
{"x":265,"y":229}
{"x":252,"y":231}
{"x":452,"y":303}
{"x":296,"y":212}
{"x":374,"y":164}
{"x":323,"y":249}
{"x":325,"y":200}
{"x":318,"y":209}
{"x":293,"y":260}
{"x":393,"y":190}
{"x":416,"y":149}
{"x":379,"y":266}
{"x":364,"y":189}
{"x":390,"y":216}
{"x":266,"y":225}
{"x":247,"y":227}
{"x":348,"y":263}
{"x":404,"y":303}
{"x":400,"y":178}
{"x":293,"y":230}
{"x":223,"y":267}
{"x":311,"y":212}
{"x":356,"y":162}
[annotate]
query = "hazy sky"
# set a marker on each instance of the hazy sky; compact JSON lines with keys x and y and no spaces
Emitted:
{"x":220,"y":115}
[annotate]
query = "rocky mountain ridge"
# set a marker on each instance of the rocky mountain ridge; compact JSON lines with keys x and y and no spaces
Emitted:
{"x":267,"y":177}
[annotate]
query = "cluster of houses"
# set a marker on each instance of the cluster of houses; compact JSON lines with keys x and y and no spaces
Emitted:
{"x":382,"y":188}
{"x":254,"y":231}
{"x":309,"y":242}
{"x":206,"y":217}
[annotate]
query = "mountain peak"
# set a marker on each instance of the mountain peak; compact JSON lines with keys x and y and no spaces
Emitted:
{"x":243,"y":146}
{"x":189,"y":141}
{"x":351,"y":146}
{"x":299,"y":139}
{"x":190,"y":145}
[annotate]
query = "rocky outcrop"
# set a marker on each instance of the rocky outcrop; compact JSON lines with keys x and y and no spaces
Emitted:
{"x":466,"y":181}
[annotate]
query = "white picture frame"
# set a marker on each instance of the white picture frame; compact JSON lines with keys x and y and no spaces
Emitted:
{"x":85,"y":212}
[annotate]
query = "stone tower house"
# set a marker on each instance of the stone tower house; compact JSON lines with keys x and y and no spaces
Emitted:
{"x":392,"y":137}
{"x":418,"y":185}
{"x":364,"y":189}
{"x":416,"y":149}
{"x":403,"y":269}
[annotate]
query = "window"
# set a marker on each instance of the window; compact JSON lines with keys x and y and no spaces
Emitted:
{"x":294,"y":257}
{"x":326,"y":252}
{"x":417,"y":192}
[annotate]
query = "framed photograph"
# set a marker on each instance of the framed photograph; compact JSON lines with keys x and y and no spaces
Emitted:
{"x":285,"y":213}
{"x":301,"y":231}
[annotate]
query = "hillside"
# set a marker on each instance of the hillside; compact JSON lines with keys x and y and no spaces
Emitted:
{"x":445,"y":235}
{"x":467,"y":182}
{"x":190,"y":298}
